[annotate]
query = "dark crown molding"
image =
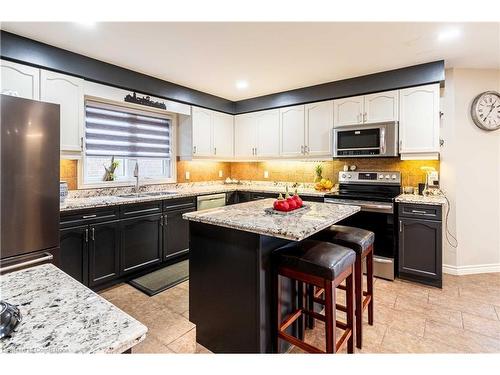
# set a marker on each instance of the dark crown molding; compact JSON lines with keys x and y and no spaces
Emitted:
{"x":27,"y":51}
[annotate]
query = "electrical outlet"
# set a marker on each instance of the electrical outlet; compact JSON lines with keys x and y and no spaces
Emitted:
{"x":188,"y":175}
{"x":266,"y":174}
{"x":220,"y":174}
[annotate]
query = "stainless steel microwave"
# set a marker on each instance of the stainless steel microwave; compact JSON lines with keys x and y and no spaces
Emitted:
{"x":367,"y":140}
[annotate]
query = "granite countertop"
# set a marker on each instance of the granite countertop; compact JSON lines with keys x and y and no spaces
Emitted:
{"x":435,"y":200}
{"x":252,"y":217}
{"x":60,"y":315}
{"x":95,"y":201}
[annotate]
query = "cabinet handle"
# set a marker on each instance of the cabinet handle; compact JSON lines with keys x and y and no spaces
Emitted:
{"x":88,"y":216}
{"x":400,"y":226}
{"x":81,"y":143}
{"x":215,"y":150}
{"x":86,"y":235}
{"x":302,"y":150}
{"x":306,"y":149}
{"x":364,"y":117}
{"x":255,"y":151}
{"x":419,"y":212}
{"x":194,"y":150}
{"x":359,"y":117}
{"x":92,"y":234}
{"x":400,"y":145}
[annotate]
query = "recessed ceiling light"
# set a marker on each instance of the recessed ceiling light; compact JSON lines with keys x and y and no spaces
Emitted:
{"x":88,"y":24}
{"x":448,"y":34}
{"x":240,"y":85}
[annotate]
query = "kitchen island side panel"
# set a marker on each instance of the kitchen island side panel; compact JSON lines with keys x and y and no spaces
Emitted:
{"x":231,"y":296}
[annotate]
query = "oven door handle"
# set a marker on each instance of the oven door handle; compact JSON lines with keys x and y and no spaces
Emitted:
{"x":365,"y":206}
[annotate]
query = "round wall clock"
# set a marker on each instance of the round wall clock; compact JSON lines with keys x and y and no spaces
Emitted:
{"x":485,"y":110}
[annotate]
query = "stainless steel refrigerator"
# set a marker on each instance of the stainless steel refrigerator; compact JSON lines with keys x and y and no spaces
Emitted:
{"x":29,"y":183}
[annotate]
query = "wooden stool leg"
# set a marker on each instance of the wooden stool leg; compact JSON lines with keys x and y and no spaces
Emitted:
{"x":310,"y":305}
{"x":277,"y":287}
{"x":358,"y":296}
{"x":330,"y":317}
{"x":300,"y":305}
{"x":350,"y":310}
{"x":369,"y":277}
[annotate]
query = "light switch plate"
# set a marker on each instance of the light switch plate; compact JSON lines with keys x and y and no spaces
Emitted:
{"x":266,"y":174}
{"x":220,"y":174}
{"x":188,"y":175}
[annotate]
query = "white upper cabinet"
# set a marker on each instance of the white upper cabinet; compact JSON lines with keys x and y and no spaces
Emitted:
{"x":318,"y":128}
{"x":268,"y":134}
{"x":378,"y":107}
{"x":348,"y":111}
{"x":381,"y":107}
{"x":223,"y":135}
{"x":67,"y":91}
{"x":202,"y":132}
{"x":19,"y":80}
{"x":419,"y":122}
{"x":245,"y":136}
{"x":292,"y":134}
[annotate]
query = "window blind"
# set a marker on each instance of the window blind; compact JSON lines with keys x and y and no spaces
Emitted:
{"x":123,"y":132}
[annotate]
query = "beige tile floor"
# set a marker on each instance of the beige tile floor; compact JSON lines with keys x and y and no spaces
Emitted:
{"x":463,"y":317}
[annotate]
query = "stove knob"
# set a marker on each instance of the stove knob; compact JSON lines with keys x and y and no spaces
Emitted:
{"x":343,"y":175}
{"x":349,"y":176}
{"x":387,"y":177}
{"x":393,"y":176}
{"x":380,"y":176}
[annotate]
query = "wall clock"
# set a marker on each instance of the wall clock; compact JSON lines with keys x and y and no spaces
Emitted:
{"x":485,"y":110}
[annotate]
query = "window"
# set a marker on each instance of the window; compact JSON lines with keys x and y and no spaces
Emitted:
{"x":126,"y":136}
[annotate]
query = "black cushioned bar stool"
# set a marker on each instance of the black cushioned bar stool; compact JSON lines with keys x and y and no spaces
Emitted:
{"x":361,"y":241}
{"x":324,"y":265}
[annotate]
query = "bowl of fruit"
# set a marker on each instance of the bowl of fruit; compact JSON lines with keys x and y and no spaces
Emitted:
{"x":287,"y":204}
{"x":324,"y":185}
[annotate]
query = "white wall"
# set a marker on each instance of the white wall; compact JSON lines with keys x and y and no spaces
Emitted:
{"x":470,"y":175}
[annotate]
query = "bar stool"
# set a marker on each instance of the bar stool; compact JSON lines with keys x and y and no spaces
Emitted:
{"x":324,"y":265}
{"x":361,"y":241}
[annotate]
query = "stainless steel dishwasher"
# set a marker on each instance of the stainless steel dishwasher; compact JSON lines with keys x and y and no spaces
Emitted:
{"x":205,"y":202}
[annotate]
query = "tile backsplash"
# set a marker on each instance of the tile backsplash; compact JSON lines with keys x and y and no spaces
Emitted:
{"x":278,"y":170}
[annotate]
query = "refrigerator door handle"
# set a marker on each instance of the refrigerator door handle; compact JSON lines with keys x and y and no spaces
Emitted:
{"x":45,"y":258}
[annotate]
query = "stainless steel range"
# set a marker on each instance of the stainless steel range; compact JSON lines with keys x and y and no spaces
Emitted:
{"x":374,"y":192}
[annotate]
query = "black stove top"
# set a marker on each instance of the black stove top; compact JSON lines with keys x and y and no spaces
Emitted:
{"x":368,"y":192}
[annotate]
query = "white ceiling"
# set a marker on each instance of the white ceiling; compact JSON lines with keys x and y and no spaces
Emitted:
{"x":272,"y":57}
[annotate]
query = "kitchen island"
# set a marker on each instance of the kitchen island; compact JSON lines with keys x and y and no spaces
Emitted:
{"x":60,"y":315}
{"x":231,"y":296}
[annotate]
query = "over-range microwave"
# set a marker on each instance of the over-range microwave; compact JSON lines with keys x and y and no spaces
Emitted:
{"x":367,"y":140}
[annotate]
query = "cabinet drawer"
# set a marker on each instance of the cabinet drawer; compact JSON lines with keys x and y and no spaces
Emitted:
{"x":179,"y":204}
{"x":77,"y":218}
{"x":139,"y":209}
{"x":422,"y":211}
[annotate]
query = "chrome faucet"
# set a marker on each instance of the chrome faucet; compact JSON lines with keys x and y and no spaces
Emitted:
{"x":136,"y":175}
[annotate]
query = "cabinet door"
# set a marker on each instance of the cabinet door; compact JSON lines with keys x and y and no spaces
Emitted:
{"x":176,"y":233}
{"x":268,"y":134}
{"x":223,"y":135}
{"x":420,"y":248}
{"x":66,"y":91}
{"x":74,"y":253}
{"x":202,"y":132}
{"x":319,"y":125}
{"x":20,"y":80}
{"x":382,"y":106}
{"x":245,"y":136}
{"x":419,"y":119}
{"x":104,"y":252}
{"x":141,"y":242}
{"x":348,"y":111}
{"x":292,"y":133}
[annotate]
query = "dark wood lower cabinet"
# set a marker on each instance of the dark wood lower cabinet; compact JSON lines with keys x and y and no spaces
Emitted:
{"x":176,"y":233}
{"x":74,"y":252}
{"x":420,"y":245}
{"x":141,"y":240}
{"x":104,"y":252}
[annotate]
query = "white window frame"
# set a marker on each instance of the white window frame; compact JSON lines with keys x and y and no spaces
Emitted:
{"x":82,"y":184}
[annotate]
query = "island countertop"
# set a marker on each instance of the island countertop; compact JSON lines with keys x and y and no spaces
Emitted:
{"x":253,"y":217}
{"x":60,"y":315}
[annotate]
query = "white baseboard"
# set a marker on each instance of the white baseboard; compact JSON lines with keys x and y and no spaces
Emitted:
{"x":469,"y":270}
